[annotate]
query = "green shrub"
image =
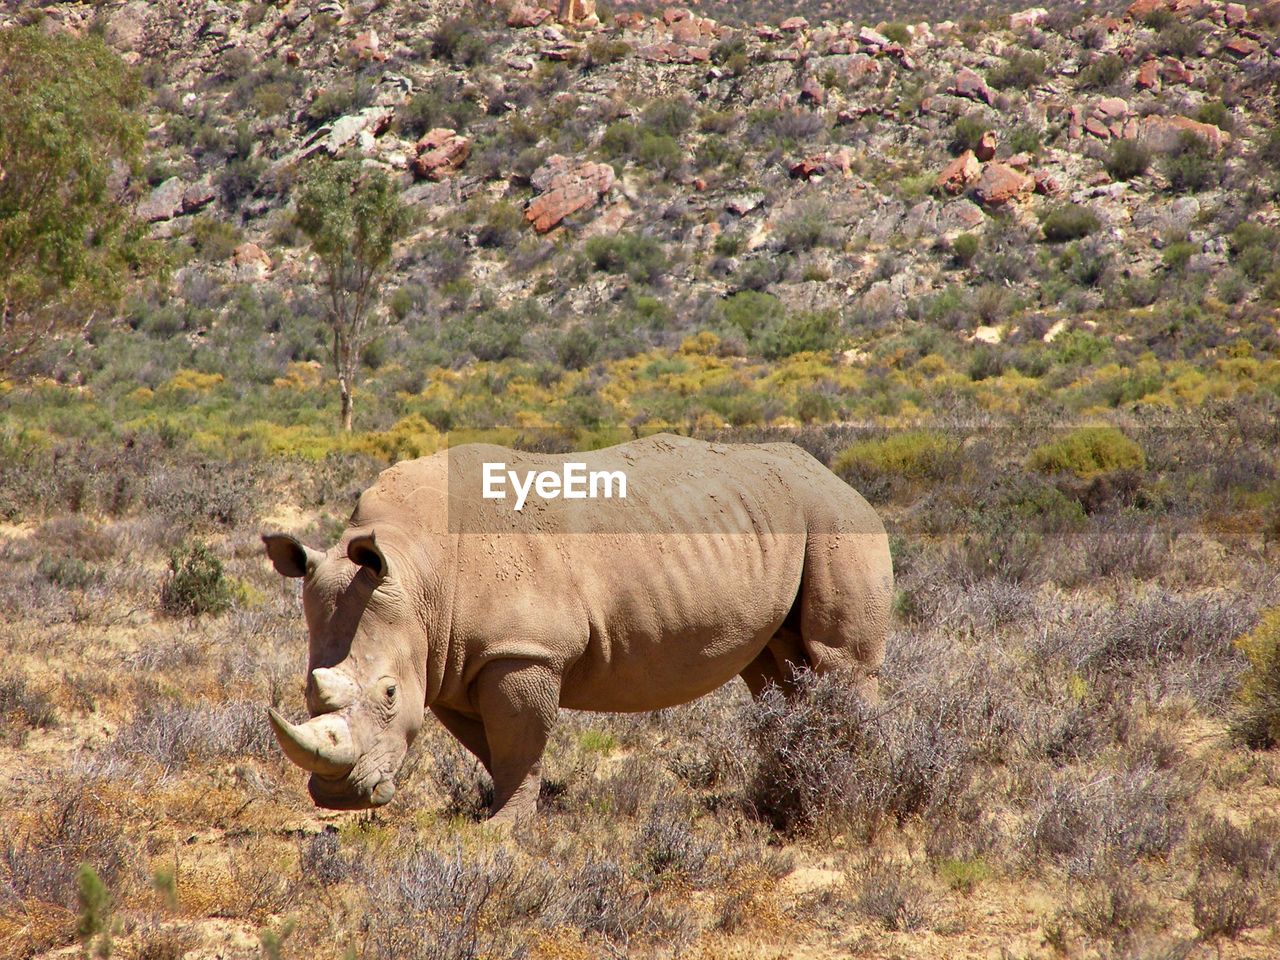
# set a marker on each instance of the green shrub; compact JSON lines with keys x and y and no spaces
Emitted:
{"x":639,"y":257}
{"x":461,"y":40}
{"x":668,"y":118}
{"x":966,"y":133}
{"x":811,"y":330}
{"x":95,"y":911}
{"x":750,"y":310}
{"x":1217,"y":113}
{"x":910,"y":455}
{"x":1191,"y":167}
{"x":1021,"y":70}
{"x":1088,"y":452}
{"x":1127,"y":159}
{"x":196,"y":584}
{"x":1068,"y":222}
{"x":1269,"y":150}
{"x":1256,"y":721}
{"x":897,"y":32}
{"x":1179,"y":40}
{"x":964,"y":248}
{"x":1177,"y":254}
{"x":338,"y":100}
{"x":654,"y":151}
{"x":1102,"y":73}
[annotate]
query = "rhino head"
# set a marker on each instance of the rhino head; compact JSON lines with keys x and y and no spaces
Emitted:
{"x":363,"y":692}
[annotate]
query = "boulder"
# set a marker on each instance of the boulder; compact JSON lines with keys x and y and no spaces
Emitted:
{"x":1149,"y":76}
{"x":819,"y":165}
{"x":969,"y":84}
{"x":1111,"y":108}
{"x":367,"y":46}
{"x":1174,"y":71}
{"x":565,"y":187}
{"x":986,"y":148}
{"x":793,"y":25}
{"x":1235,"y":14}
{"x":957,"y":175}
{"x":164,"y":203}
{"x":580,"y":14}
{"x":1000,"y":183}
{"x":1241,"y":47}
{"x":872,"y":38}
{"x":811,"y":91}
{"x":198,"y":196}
{"x":1026,"y":19}
{"x":1046,"y":183}
{"x":524,"y":15}
{"x":440,"y":153}
{"x":251,"y":263}
{"x":1164,"y":134}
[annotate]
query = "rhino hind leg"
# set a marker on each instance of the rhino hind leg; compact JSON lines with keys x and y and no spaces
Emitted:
{"x":518,"y":702}
{"x":778,"y":663}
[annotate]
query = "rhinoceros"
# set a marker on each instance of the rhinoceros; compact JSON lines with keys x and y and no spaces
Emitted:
{"x":720,"y":561}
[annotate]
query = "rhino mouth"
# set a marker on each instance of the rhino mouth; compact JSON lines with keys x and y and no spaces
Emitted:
{"x":341,"y":794}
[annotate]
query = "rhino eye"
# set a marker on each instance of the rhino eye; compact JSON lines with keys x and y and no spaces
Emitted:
{"x":391,"y":694}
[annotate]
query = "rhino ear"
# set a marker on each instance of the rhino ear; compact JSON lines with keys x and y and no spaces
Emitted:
{"x":290,"y":557}
{"x":365,"y":552}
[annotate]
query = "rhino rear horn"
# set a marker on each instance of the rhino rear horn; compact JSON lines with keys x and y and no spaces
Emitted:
{"x":334,"y":690}
{"x":290,"y":557}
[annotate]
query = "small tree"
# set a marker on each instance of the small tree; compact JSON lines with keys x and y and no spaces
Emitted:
{"x":67,"y":120}
{"x":352,"y":218}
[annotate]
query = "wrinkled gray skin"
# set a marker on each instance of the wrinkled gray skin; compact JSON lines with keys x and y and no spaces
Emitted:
{"x":723,"y":561}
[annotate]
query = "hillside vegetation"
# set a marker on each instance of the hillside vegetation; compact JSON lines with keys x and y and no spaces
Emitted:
{"x":1016,"y":280}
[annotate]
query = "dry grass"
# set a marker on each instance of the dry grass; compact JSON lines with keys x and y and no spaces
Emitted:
{"x":1049,"y":769}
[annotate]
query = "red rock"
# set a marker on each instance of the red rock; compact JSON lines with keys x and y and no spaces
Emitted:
{"x":986,"y":148}
{"x":1000,"y":184}
{"x":1235,"y":14}
{"x":819,"y":165}
{"x":673,"y":14}
{"x":1111,"y":108}
{"x":685,"y":31}
{"x":957,"y":175}
{"x":366,"y":46}
{"x":1046,"y":183}
{"x":1097,"y":128}
{"x":441,"y":152}
{"x":1142,"y":8}
{"x":1075,"y":122}
{"x":251,"y":262}
{"x":793,"y":24}
{"x":872,"y":38}
{"x":1241,"y":47}
{"x":1026,"y":19}
{"x":1164,"y":134}
{"x":565,"y":188}
{"x":197,"y":196}
{"x":811,"y":92}
{"x":578,"y":13}
{"x":969,"y":84}
{"x":860,"y":65}
{"x":1149,"y":76}
{"x":527,"y":15}
{"x":1173,"y":70}
{"x":1019,"y":161}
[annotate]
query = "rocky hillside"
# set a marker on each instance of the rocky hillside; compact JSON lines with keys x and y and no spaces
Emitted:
{"x":633,"y":177}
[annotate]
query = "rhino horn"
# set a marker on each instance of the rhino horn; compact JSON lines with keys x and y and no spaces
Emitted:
{"x":334,"y":690}
{"x":322,"y":745}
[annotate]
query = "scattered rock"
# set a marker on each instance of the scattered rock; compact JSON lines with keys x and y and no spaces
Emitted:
{"x":1164,"y":134}
{"x":1149,"y":76}
{"x":579,"y":14}
{"x":1046,"y":183}
{"x":1026,"y":19}
{"x":740,"y":204}
{"x":251,"y":263}
{"x":565,"y":187}
{"x":525,"y":15}
{"x":1241,"y":47}
{"x":1235,"y":14}
{"x":1174,"y":71}
{"x":969,"y":84}
{"x":986,"y":148}
{"x":164,"y":203}
{"x":957,"y":175}
{"x":793,"y":25}
{"x":873,"y":38}
{"x":198,"y":196}
{"x":440,"y":153}
{"x":334,"y":136}
{"x":366,"y":46}
{"x":811,"y":91}
{"x":819,"y":165}
{"x":1000,"y":183}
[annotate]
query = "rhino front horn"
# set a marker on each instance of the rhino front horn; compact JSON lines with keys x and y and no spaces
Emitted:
{"x":322,"y":745}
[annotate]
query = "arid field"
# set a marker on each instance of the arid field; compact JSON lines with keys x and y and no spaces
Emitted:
{"x":1015,"y":278}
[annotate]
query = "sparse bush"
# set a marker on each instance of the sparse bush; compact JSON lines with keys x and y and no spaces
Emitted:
{"x":889,"y":895}
{"x":964,"y":248}
{"x":1068,"y":222}
{"x":196,"y":584}
{"x":1127,"y":159}
{"x":967,"y":133}
{"x":1020,"y":71}
{"x":639,"y":257}
{"x":913,"y":455}
{"x":1191,"y":166}
{"x":461,"y":40}
{"x":1087,"y":452}
{"x":1256,"y":722}
{"x":174,"y":734}
{"x":1102,"y":72}
{"x":23,"y":708}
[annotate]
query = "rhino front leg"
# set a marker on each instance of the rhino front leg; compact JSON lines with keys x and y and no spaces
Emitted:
{"x":518,"y":701}
{"x":469,"y":731}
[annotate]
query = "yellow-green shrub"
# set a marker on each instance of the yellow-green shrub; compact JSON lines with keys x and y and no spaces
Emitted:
{"x":912,"y":455}
{"x":1257,"y":718}
{"x":1087,"y":452}
{"x":413,"y":436}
